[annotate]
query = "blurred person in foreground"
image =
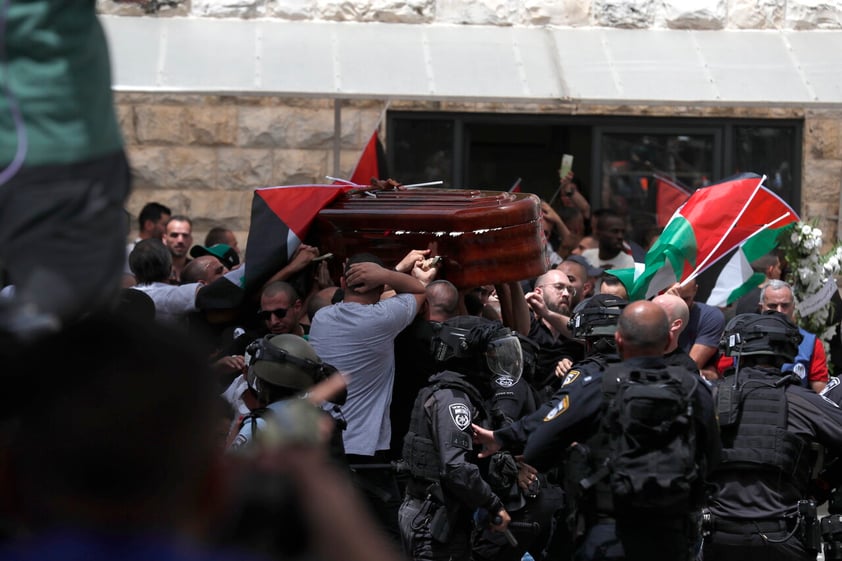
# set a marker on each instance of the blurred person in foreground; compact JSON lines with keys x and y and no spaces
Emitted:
{"x":124,"y":461}
{"x":64,"y":177}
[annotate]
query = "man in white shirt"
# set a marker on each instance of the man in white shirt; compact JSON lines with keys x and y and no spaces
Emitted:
{"x":610,"y":231}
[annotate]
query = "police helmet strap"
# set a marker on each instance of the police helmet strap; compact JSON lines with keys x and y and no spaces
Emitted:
{"x":263,"y":349}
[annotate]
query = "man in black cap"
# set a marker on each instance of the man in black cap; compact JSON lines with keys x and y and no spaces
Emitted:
{"x":224,"y":252}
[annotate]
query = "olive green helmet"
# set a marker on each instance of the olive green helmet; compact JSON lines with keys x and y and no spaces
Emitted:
{"x":286,"y":361}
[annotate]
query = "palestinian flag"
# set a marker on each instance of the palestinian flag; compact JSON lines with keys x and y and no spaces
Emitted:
{"x":372,"y":162}
{"x":737,"y":278}
{"x":669,"y":196}
{"x":280,"y":220}
{"x":714,"y":222}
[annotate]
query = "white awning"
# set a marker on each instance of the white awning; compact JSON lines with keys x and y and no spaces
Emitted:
{"x":475,"y":63}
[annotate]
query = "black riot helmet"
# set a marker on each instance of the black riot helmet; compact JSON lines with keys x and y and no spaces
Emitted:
{"x":476,"y":346}
{"x":771,"y":334}
{"x":595,"y":320}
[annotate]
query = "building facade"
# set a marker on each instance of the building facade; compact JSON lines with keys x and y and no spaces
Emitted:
{"x":218,"y":97}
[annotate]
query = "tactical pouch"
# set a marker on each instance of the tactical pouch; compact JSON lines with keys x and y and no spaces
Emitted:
{"x":440,"y":525}
{"x":727,"y":404}
{"x":808,"y":526}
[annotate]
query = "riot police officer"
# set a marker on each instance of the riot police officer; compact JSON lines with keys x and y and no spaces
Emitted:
{"x":594,"y":321}
{"x":769,"y":424}
{"x":579,"y":417}
{"x":286,"y":375}
{"x":446,"y":488}
{"x":532,"y":498}
{"x":282,"y":367}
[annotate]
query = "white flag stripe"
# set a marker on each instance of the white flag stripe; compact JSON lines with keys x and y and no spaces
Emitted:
{"x":664,"y":278}
{"x":735,"y":273}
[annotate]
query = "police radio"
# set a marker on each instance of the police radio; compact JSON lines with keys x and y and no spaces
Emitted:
{"x":831,"y":527}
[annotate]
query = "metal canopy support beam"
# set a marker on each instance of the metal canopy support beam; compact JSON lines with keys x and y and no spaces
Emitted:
{"x":337,"y":136}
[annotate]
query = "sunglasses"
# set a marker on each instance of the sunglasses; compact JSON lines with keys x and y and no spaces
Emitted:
{"x":266,"y":315}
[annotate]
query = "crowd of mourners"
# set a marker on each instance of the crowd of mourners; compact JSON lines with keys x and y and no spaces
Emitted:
{"x":367,"y":410}
{"x":391,"y":414}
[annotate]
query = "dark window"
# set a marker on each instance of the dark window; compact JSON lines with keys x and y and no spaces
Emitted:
{"x":617,"y":159}
{"x":635,"y":165}
{"x":771,"y":151}
{"x":421,"y":150}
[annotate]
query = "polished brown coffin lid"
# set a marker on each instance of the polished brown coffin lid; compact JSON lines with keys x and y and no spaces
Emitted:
{"x":482,"y":236}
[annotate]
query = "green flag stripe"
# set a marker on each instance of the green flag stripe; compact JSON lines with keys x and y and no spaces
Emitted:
{"x":677,"y":244}
{"x":760,"y":244}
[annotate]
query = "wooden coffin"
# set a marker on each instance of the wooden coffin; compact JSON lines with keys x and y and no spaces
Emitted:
{"x":482,"y":237}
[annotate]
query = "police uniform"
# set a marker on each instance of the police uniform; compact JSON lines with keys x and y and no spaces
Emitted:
{"x":445,"y":486}
{"x":576,"y":387}
{"x":531,"y":512}
{"x":765,"y":468}
{"x":594,"y":321}
{"x":577,"y":418}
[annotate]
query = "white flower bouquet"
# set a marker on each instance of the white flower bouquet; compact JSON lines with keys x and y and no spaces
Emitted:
{"x":813,"y":278}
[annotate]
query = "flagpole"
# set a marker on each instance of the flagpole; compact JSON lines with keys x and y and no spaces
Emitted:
{"x":416,"y":185}
{"x":698,"y":271}
{"x":730,"y":228}
{"x":345,"y":181}
{"x":383,"y":113}
{"x":555,"y":195}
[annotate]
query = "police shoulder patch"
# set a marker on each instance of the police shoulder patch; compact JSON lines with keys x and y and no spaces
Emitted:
{"x":461,"y":415}
{"x":560,"y":408}
{"x":504,"y":381}
{"x":571,"y":377}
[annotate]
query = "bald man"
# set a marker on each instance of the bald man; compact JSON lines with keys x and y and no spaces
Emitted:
{"x":643,"y":335}
{"x":678,"y":314}
{"x":701,"y":337}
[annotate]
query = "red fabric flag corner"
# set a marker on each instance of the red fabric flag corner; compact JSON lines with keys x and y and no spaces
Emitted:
{"x":669,"y":197}
{"x":369,"y":165}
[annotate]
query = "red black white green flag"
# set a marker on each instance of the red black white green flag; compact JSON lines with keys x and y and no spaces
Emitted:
{"x":280,"y":220}
{"x":738,"y":218}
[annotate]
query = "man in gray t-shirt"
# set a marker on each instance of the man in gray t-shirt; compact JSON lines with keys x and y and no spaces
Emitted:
{"x":357,"y":337}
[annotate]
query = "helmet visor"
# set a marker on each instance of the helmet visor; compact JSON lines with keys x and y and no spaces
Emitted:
{"x":505,"y":358}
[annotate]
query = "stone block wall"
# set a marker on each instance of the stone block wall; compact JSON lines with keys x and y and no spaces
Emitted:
{"x":204,"y":155}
